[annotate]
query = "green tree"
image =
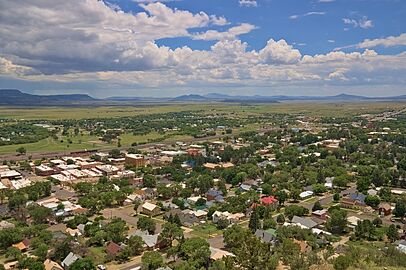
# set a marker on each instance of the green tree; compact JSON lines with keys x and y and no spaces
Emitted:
{"x":392,"y":233}
{"x":400,"y":208}
{"x":170,"y":232}
{"x":83,"y":264}
{"x":135,"y":244}
{"x":372,"y":201}
{"x":338,"y":221}
{"x":41,"y":251}
{"x":13,"y":253}
{"x":21,"y":150}
{"x":317,"y":206}
{"x":195,"y":250}
{"x":146,"y":224}
{"x":280,"y":218}
{"x":342,"y":262}
{"x":151,"y":260}
{"x":254,"y":222}
{"x":281,"y":195}
{"x":39,"y":213}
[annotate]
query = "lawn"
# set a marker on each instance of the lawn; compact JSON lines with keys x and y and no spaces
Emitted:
{"x":205,"y":230}
{"x":97,"y":254}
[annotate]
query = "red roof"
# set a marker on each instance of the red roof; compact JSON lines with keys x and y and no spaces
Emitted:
{"x":269,"y":200}
{"x":113,"y":249}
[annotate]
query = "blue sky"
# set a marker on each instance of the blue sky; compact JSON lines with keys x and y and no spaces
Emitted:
{"x":167,"y":48}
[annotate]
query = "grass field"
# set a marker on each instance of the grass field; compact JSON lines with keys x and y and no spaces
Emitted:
{"x":85,"y":142}
{"x":314,"y":109}
{"x":235,"y":110}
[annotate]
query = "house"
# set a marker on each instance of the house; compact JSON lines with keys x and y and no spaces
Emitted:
{"x":71,"y":258}
{"x":353,"y":200}
{"x":384,"y":209}
{"x":304,"y":222}
{"x":231,"y":218}
{"x":320,"y":214}
{"x":218,"y":254}
{"x":215,"y":195}
{"x":186,"y":217}
{"x":211,"y":166}
{"x":150,"y":240}
{"x":73,"y":232}
{"x":44,"y":170}
{"x":245,"y":187}
{"x":6,"y":225}
{"x":269,"y":201}
{"x":353,"y":221}
{"x":22,"y":246}
{"x":135,"y":160}
{"x":306,"y":194}
{"x":401,"y":245}
{"x":304,"y":247}
{"x":193,"y":200}
{"x":51,"y":265}
{"x":266,"y":236}
{"x":150,"y":209}
{"x":112,"y":249}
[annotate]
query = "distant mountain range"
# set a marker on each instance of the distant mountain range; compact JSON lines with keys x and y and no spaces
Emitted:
{"x":18,"y":98}
{"x":13,"y":97}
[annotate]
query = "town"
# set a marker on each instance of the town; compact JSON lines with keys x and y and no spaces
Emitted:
{"x":292,"y":191}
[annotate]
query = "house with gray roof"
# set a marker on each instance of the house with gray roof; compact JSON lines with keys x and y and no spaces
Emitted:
{"x":71,"y":258}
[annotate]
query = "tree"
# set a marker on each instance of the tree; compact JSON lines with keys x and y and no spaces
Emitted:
{"x":39,"y":213}
{"x":280,"y":218}
{"x":269,"y":223}
{"x":372,"y":201}
{"x":317,"y":206}
{"x":151,"y":260}
{"x":319,"y":189}
{"x":21,"y":150}
{"x":146,"y":224}
{"x":254,"y":222}
{"x":336,"y":197}
{"x":337,"y":221}
{"x":295,"y":194}
{"x":170,"y":232}
{"x":342,"y":262}
{"x":281,"y":195}
{"x":400,"y":208}
{"x":295,"y":210}
{"x":149,"y":181}
{"x":135,"y":244}
{"x":392,"y":233}
{"x":13,"y":253}
{"x":83,"y":264}
{"x":222,"y":224}
{"x":195,"y":250}
{"x":41,"y":251}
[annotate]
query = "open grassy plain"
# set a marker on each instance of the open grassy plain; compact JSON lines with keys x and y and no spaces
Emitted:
{"x":86,"y":141}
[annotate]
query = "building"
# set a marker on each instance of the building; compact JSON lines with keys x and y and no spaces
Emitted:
{"x":266,"y":236}
{"x":150,"y":209}
{"x":71,"y":258}
{"x":385,"y":209}
{"x":51,"y":265}
{"x":43,"y":170}
{"x":353,"y":200}
{"x":269,"y":201}
{"x":304,"y":222}
{"x":134,"y":160}
{"x":112,"y":249}
{"x":321,"y":214}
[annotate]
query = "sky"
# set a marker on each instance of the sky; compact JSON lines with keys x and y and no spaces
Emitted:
{"x":173,"y":47}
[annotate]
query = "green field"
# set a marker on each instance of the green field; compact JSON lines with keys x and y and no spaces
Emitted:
{"x":313,"y":109}
{"x":232,"y":110}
